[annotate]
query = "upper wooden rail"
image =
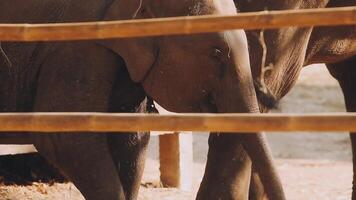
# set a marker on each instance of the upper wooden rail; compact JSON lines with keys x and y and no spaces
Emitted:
{"x":99,"y":122}
{"x":177,"y":25}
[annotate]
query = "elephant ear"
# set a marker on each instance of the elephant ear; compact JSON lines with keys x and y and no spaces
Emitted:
{"x":139,"y":54}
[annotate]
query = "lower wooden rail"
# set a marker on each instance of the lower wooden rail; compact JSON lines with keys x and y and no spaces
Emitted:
{"x":176,"y":156}
{"x":101,"y":122}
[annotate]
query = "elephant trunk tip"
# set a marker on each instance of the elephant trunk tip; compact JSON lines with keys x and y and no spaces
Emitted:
{"x":265,"y":96}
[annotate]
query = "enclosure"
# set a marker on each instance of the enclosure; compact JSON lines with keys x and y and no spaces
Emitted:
{"x":315,"y":163}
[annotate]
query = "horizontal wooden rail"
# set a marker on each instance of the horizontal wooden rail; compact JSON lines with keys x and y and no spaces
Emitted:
{"x":100,"y":122}
{"x":177,"y":25}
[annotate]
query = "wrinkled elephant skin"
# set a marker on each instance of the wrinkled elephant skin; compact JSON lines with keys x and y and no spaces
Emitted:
{"x":195,"y":73}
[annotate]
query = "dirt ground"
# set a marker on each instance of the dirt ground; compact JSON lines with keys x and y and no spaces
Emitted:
{"x":312,"y":166}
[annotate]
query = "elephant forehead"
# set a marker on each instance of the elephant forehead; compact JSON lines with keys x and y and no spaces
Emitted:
{"x":226,"y":7}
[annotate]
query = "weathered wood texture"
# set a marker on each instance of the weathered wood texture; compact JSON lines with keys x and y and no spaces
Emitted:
{"x":177,"y":25}
{"x":176,"y":160}
{"x":100,"y":122}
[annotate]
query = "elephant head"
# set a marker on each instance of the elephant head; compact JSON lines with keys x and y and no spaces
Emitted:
{"x":199,"y":73}
{"x":193,"y":73}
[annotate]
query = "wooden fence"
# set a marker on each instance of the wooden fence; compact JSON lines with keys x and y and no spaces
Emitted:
{"x":175,"y":169}
{"x":177,"y":25}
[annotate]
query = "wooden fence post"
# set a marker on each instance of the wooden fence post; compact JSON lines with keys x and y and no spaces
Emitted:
{"x":176,"y":157}
{"x":176,"y":160}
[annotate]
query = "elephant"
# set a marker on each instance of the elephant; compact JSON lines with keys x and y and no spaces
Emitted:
{"x":192,"y":73}
{"x":290,"y":49}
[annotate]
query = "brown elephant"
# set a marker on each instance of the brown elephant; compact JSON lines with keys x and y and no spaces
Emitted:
{"x":290,"y":49}
{"x":195,"y":73}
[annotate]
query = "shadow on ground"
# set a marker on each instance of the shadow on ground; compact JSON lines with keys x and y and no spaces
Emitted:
{"x":24,"y":169}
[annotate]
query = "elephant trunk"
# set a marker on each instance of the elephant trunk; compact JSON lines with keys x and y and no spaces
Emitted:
{"x":254,"y":144}
{"x":236,"y":94}
{"x":260,"y":154}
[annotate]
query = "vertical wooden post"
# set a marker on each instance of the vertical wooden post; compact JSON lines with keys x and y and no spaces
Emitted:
{"x":176,"y":160}
{"x":176,"y":157}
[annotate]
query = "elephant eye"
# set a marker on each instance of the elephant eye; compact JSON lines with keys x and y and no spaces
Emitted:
{"x":217,"y":53}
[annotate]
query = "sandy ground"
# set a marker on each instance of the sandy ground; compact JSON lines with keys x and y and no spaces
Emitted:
{"x":312,"y":166}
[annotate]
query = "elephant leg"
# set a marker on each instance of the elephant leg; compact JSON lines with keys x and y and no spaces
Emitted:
{"x":129,"y":153}
{"x":128,"y":150}
{"x":86,"y":161}
{"x":228,"y":171}
{"x":345,"y":73}
{"x":79,"y":79}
